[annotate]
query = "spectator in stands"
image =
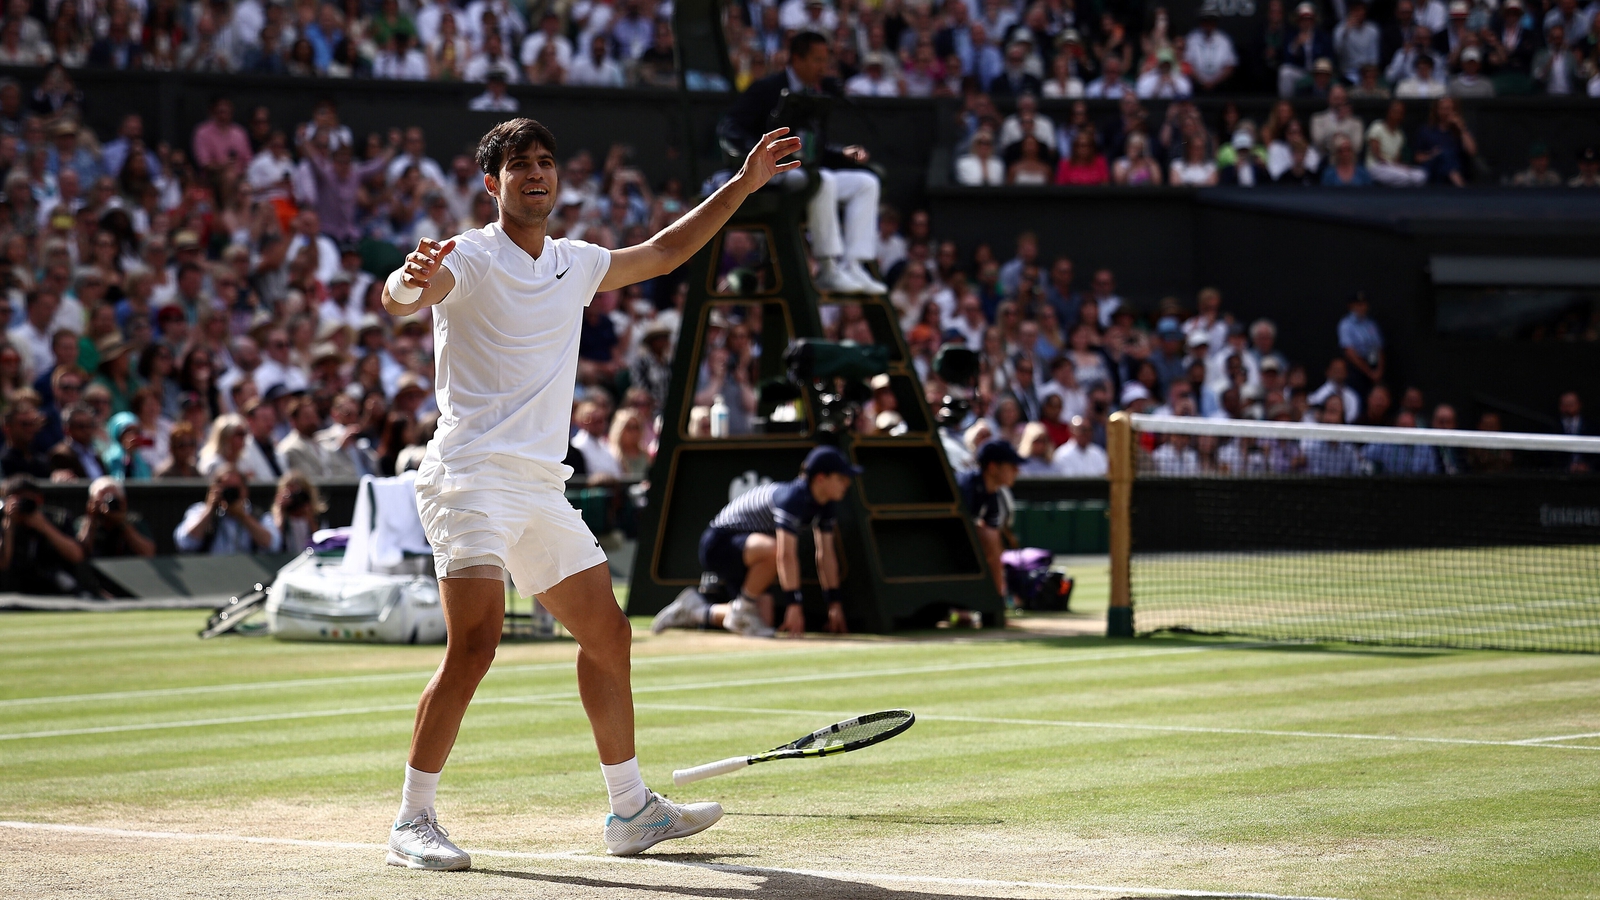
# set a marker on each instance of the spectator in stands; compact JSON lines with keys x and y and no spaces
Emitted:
{"x":1080,"y":457}
{"x":1423,"y":82}
{"x":183,"y":444}
{"x":1588,"y":168}
{"x":1470,"y":81}
{"x":297,"y":511}
{"x":494,"y":97}
{"x":300,"y":451}
{"x":1487,"y":461}
{"x":1538,"y":173}
{"x":1344,"y":169}
{"x":1209,"y":51}
{"x":1355,"y":42}
{"x":1015,"y":79}
{"x":1555,"y":65}
{"x":1569,"y":409}
{"x":1386,"y":141}
{"x":1335,"y":386}
{"x":1195,"y":169}
{"x":1137,"y":168}
{"x":1375,"y":411}
{"x":1331,"y":458}
{"x":1085,"y":165}
{"x":75,"y":455}
{"x":37,"y":552}
{"x":1338,"y":118}
{"x":124,"y":461}
{"x":221,"y":147}
{"x":1401,"y":459}
{"x":224,"y":524}
{"x":22,"y":457}
{"x":1452,"y":460}
{"x":1445,"y":145}
{"x":980,"y":166}
{"x":401,"y":60}
{"x":1247,"y":169}
{"x":1307,"y":45}
{"x":108,"y":528}
{"x":1165,"y":81}
{"x":596,"y":68}
{"x":1110,"y":85}
{"x":258,"y":460}
{"x":875,"y":79}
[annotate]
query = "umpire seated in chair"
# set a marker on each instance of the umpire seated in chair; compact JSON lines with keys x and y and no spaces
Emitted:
{"x":797,"y":98}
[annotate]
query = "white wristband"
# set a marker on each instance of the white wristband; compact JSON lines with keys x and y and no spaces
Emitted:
{"x":400,"y":291}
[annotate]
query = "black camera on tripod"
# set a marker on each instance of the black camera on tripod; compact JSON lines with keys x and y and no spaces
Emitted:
{"x":835,"y":373}
{"x":958,"y":368}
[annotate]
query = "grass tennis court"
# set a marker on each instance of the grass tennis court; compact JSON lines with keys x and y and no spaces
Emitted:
{"x":1545,"y":598}
{"x":1040,"y":767}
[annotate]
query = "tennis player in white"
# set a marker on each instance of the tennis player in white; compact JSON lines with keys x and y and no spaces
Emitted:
{"x":510,"y":305}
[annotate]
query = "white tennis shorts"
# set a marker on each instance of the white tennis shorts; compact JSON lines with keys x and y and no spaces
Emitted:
{"x":509,"y":512}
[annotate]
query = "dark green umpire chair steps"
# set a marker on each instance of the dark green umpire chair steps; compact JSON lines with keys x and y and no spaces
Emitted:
{"x":908,"y":552}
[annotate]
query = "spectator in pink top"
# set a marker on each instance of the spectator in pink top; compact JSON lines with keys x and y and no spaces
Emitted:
{"x":221,"y":146}
{"x":1085,"y":165}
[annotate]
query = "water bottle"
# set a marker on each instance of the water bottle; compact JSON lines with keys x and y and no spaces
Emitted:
{"x":719,"y":417}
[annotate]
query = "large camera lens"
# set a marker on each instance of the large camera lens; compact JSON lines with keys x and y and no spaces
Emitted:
{"x":230,"y":495}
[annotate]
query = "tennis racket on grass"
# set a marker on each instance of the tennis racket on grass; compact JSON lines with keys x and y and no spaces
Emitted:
{"x":851,"y":734}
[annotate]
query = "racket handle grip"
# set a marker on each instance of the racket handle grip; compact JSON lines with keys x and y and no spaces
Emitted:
{"x":720,"y":767}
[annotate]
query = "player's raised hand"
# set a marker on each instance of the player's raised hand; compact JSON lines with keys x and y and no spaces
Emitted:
{"x":762,"y":163}
{"x":424,"y":262}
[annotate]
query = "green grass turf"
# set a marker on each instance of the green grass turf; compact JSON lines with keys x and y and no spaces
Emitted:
{"x":1515,"y":598}
{"x":1077,"y":801}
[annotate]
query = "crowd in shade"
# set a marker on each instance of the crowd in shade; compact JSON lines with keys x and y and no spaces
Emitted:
{"x":587,"y":42}
{"x":1061,"y":349}
{"x":1105,"y":50}
{"x":212,"y":310}
{"x":1409,"y":145}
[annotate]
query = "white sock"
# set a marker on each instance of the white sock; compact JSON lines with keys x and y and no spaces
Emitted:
{"x":418,"y":793}
{"x":626,"y":787}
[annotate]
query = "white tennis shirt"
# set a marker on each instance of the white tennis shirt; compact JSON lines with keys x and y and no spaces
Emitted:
{"x":506,"y":347}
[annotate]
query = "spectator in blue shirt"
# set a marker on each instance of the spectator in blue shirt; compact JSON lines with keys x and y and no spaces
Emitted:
{"x":1344,"y":170}
{"x":1402,"y":459}
{"x":1362,"y":344}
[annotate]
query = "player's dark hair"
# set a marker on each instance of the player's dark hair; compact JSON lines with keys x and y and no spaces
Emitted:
{"x":801,"y":42}
{"x":509,"y":138}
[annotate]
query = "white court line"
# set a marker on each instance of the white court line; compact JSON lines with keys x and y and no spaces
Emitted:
{"x":1128,"y":726}
{"x":579,"y":856}
{"x":1561,"y":737}
{"x":354,"y":679}
{"x":655,"y":689}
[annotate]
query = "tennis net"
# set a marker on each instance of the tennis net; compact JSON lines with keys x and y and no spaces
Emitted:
{"x":1295,"y":531}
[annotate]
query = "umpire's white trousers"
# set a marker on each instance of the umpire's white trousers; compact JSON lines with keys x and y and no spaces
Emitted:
{"x":857,"y":189}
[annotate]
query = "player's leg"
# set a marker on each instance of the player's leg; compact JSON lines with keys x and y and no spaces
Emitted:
{"x":586,"y":607}
{"x":473,"y":599}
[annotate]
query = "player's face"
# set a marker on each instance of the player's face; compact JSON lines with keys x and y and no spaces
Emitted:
{"x":527,"y":185}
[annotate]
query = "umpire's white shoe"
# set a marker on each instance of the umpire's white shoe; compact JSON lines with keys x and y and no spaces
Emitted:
{"x":660,"y":820}
{"x":833,"y":278}
{"x":422,"y":843}
{"x":858,"y":273}
{"x":687,"y":611}
{"x":744,"y":618}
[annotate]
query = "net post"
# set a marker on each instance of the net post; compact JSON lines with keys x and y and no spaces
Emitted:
{"x":1119,"y":447}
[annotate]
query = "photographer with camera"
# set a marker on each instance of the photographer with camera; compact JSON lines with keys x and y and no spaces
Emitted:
{"x":223,"y":523}
{"x":37,"y":556}
{"x":108,"y":528}
{"x":296,"y":511}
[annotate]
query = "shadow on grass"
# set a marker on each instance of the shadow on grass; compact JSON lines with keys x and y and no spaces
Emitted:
{"x":775,"y":885}
{"x":883,"y":818}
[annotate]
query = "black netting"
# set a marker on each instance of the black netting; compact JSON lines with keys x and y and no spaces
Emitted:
{"x":1507,"y":559}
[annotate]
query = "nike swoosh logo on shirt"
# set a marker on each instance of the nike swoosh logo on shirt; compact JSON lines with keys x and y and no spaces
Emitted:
{"x":565,"y":271}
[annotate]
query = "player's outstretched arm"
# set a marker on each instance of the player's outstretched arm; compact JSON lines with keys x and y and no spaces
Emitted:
{"x":683,"y":238}
{"x":421,"y":281}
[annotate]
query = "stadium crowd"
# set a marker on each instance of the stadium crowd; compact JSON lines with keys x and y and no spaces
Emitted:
{"x":1067,"y":49}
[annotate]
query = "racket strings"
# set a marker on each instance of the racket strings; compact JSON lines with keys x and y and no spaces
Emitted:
{"x":864,"y":729}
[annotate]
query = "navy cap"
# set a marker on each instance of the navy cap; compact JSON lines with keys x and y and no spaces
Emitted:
{"x":998,"y":452}
{"x":827,"y":460}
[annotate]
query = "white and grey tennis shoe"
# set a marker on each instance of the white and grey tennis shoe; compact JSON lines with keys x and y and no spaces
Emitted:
{"x":744,"y":618}
{"x":422,"y":843}
{"x":660,"y":820}
{"x":687,"y":611}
